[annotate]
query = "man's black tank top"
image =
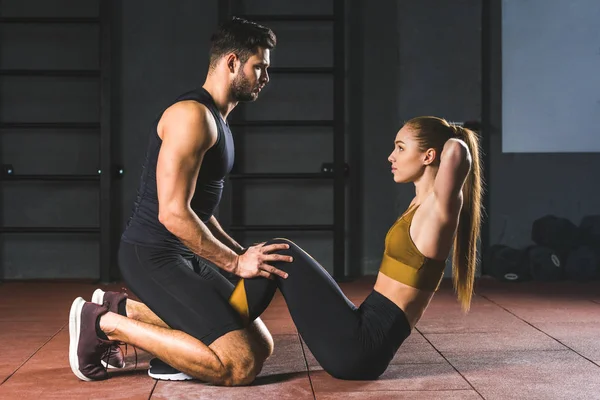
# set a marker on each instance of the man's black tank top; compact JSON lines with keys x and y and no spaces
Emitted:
{"x":143,"y":226}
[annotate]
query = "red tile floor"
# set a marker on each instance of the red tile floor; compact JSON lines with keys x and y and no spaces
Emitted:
{"x":520,"y":341}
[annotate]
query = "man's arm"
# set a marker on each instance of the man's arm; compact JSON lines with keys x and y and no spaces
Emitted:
{"x":222,"y":236}
{"x":187,"y":133}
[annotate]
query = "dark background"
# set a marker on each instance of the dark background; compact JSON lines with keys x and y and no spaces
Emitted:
{"x":403,"y":59}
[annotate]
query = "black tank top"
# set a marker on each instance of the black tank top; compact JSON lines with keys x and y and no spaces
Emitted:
{"x":143,"y":226}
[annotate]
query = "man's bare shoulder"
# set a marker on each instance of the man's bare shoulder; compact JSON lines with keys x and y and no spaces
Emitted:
{"x":188,"y":117}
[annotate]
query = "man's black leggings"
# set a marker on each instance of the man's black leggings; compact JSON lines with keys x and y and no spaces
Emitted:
{"x":181,"y":289}
{"x":348,"y":342}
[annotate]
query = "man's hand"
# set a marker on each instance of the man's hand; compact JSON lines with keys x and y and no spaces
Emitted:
{"x":253,"y":262}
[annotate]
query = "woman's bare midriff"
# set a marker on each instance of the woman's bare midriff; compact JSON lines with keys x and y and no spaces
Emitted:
{"x":412,"y":301}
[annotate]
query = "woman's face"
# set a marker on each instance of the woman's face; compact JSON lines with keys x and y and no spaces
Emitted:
{"x":406,"y":159}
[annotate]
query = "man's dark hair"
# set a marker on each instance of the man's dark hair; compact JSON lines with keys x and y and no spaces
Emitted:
{"x":242,"y":37}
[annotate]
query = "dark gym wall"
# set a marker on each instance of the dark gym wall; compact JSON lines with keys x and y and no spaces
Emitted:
{"x":52,"y":151}
{"x":404,"y":59}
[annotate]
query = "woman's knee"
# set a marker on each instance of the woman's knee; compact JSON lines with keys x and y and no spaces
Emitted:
{"x":282,"y":241}
{"x":294,"y":250}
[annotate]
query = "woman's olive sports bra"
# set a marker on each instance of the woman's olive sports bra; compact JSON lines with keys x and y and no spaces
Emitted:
{"x":403,"y":262}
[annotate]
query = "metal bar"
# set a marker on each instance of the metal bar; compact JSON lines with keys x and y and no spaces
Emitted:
{"x":282,"y":228}
{"x":487,"y":46}
{"x":49,"y":20}
{"x":106,"y":214}
{"x":224,"y":212}
{"x":301,"y":70}
{"x":50,"y":73}
{"x":289,"y":17}
{"x":355,"y":77}
{"x":49,"y":125}
{"x":48,"y":229}
{"x":50,"y":178}
{"x":268,"y":175}
{"x":339,"y":149}
{"x":282,"y":123}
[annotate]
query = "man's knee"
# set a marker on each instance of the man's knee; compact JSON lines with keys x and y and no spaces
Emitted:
{"x":244,"y":376}
{"x":243,"y":353}
{"x":241,"y":370}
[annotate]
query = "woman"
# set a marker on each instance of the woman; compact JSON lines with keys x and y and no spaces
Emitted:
{"x":352,"y":342}
{"x":442,"y":160}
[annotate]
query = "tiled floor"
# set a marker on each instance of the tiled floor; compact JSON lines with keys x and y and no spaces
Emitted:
{"x":520,"y":341}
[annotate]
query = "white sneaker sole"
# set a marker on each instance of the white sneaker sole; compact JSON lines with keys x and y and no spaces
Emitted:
{"x":171,"y":377}
{"x":74,"y":331}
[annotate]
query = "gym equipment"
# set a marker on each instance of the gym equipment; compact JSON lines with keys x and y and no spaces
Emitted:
{"x":582,"y":264}
{"x":544,"y":264}
{"x":589,"y":229}
{"x":557,"y":233}
{"x":507,"y":264}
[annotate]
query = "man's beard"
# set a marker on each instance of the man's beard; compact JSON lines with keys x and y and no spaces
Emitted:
{"x":242,"y":89}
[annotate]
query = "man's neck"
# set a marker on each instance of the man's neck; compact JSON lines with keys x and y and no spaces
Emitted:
{"x":220,"y":93}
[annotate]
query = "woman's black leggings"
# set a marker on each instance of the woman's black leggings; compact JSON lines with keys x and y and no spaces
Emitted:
{"x":348,"y":342}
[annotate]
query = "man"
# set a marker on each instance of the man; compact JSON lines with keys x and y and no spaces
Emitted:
{"x":185,"y":317}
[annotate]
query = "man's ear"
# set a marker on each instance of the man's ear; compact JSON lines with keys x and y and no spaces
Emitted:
{"x":430,"y":156}
{"x":232,"y":62}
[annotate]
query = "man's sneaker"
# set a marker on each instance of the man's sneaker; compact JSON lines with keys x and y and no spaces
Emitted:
{"x":86,"y":349}
{"x":114,"y":358}
{"x":162,"y":371}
